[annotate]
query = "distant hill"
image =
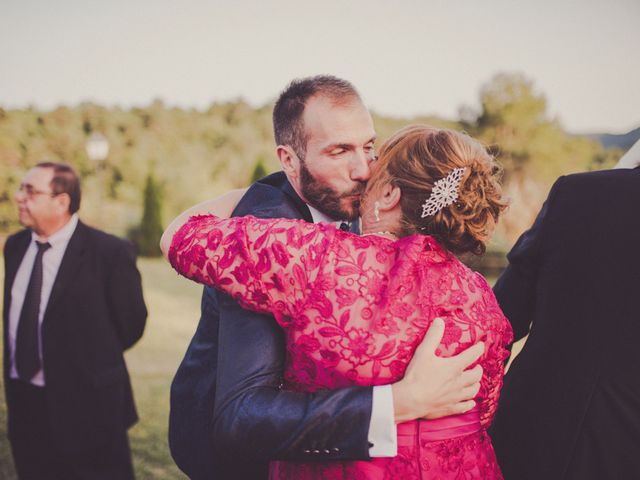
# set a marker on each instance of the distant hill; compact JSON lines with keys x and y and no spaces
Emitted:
{"x":623,"y":141}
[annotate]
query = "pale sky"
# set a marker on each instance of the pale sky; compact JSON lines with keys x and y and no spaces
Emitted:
{"x":406,"y":57}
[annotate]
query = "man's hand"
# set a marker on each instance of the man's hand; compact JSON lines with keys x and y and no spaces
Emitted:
{"x":433,"y":386}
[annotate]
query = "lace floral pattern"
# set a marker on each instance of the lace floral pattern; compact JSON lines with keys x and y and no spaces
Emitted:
{"x":354,"y":309}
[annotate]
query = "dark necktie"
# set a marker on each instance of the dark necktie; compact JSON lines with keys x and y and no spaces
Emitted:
{"x":27,"y":349}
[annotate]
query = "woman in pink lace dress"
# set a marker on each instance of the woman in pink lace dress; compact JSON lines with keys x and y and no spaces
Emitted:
{"x":355,"y":308}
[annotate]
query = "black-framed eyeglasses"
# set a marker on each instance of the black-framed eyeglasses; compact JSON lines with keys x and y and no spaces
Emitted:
{"x":31,"y":192}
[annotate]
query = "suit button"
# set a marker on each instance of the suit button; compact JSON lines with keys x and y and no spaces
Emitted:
{"x":327,"y":451}
{"x":316,"y":452}
{"x":335,"y":449}
{"x":306,"y":451}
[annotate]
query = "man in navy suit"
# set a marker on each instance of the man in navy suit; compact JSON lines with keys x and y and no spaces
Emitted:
{"x":72,"y":305}
{"x":229,"y":412}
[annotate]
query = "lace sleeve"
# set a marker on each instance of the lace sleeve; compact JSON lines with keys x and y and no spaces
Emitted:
{"x":264,"y":264}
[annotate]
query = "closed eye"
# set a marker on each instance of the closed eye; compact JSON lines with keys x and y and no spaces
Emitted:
{"x":371,"y":151}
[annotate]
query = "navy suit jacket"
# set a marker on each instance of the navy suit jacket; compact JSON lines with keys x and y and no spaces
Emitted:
{"x":570,"y":405}
{"x":229,"y":414}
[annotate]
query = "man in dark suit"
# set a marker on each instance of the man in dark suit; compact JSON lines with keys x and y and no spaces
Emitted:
{"x":72,"y":305}
{"x":229,"y":411}
{"x":570,"y":405}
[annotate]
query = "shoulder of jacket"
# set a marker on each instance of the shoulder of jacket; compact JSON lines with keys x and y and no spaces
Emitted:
{"x":19,"y":236}
{"x":14,"y":237}
{"x":264,"y":201}
{"x":105,"y":240}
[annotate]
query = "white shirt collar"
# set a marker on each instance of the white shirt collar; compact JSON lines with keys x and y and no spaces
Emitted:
{"x":319,"y":217}
{"x":63,"y":235}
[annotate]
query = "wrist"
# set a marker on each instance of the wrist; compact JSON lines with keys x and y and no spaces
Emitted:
{"x":404,"y":408}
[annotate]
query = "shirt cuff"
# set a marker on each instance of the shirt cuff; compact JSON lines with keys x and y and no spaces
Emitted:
{"x":383,"y":435}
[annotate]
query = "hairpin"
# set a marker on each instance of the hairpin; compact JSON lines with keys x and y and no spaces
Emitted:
{"x":443,"y":194}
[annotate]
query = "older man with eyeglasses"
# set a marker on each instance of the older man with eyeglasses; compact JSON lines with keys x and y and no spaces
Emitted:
{"x":72,"y":304}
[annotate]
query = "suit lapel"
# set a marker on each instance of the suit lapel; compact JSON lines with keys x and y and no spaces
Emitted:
{"x":279,"y":180}
{"x":291,"y":193}
{"x":71,"y":261}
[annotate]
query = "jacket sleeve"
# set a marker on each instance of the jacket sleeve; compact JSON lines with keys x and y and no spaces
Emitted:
{"x":126,"y":304}
{"x":516,"y":289}
{"x":255,"y":418}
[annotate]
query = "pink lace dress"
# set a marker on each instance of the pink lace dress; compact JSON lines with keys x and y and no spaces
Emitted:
{"x":354,"y":309}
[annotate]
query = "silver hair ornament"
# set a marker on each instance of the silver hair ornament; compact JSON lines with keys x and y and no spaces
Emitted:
{"x":443,"y":194}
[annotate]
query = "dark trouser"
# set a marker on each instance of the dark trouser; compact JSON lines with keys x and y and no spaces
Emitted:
{"x":36,"y":453}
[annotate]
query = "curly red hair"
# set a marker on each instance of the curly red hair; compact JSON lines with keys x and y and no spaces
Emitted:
{"x":417,"y":156}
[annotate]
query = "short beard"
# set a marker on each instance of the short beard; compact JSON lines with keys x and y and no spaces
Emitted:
{"x":327,"y":200}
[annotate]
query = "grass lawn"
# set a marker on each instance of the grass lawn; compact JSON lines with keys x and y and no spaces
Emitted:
{"x":174,"y":309}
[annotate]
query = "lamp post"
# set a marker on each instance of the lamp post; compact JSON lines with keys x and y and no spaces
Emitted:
{"x":97,"y":148}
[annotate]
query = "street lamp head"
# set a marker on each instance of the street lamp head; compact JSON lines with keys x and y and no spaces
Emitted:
{"x":97,"y":147}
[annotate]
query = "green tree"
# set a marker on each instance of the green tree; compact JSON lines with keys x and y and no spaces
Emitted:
{"x":147,"y":235}
{"x":532,"y":147}
{"x":513,"y":118}
{"x":259,"y":170}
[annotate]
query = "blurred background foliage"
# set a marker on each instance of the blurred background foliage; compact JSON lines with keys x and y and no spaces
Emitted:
{"x":164,"y":159}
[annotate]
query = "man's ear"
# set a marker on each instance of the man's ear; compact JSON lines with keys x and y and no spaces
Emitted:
{"x":63,"y":201}
{"x":289,"y":161}
{"x":390,"y":197}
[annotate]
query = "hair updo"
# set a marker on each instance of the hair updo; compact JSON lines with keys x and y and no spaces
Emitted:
{"x":416,"y":157}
